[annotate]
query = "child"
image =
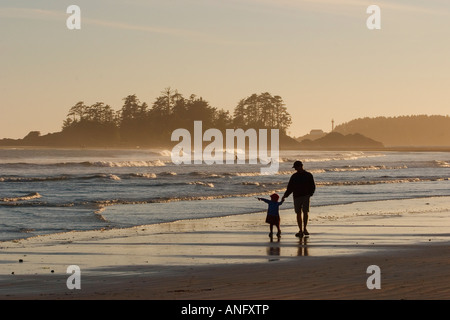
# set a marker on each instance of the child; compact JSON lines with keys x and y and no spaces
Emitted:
{"x":273,"y":215}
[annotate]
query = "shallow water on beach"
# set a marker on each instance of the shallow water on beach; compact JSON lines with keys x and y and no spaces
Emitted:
{"x":45,"y":191}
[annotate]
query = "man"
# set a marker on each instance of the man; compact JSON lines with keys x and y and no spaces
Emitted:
{"x":303,"y":187}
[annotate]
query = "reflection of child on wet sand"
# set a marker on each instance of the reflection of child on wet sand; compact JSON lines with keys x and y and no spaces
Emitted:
{"x":273,"y":213}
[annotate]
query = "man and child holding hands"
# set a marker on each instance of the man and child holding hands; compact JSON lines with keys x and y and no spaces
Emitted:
{"x":302,"y":186}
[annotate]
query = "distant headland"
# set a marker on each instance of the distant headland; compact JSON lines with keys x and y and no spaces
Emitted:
{"x":414,"y":133}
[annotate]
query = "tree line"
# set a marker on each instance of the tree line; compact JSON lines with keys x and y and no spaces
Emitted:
{"x":138,"y":123}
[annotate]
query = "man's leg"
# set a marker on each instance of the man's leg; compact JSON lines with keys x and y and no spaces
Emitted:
{"x":298,"y":211}
{"x":305,"y":208}
{"x":299,"y":221}
{"x":305,"y":222}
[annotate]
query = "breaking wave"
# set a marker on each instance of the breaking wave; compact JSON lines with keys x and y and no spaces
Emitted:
{"x":442,"y":164}
{"x":30,"y":196}
{"x":60,"y":178}
{"x":197,"y":174}
{"x":121,"y":164}
{"x":101,"y":164}
{"x":144,"y":175}
{"x":201,"y":183}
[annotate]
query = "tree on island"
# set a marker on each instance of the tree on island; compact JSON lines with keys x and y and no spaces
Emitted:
{"x":132,"y":120}
{"x":96,"y":123}
{"x":262,"y":111}
{"x":137,"y":123}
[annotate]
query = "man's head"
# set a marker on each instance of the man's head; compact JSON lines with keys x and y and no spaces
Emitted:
{"x":298,"y":165}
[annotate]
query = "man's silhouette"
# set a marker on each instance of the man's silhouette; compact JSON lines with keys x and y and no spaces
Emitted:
{"x":302,"y":186}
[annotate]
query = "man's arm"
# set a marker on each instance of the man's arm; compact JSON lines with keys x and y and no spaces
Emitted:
{"x":312,"y":184}
{"x":288,"y":190}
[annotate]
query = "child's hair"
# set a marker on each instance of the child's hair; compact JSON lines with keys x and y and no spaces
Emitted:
{"x":274,"y":197}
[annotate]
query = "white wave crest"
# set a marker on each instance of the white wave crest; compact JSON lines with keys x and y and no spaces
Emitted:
{"x":201,"y":183}
{"x":251,"y":183}
{"x":168,"y":173}
{"x":442,"y":164}
{"x":120,"y":164}
{"x":365,"y":168}
{"x":29,"y":196}
{"x":165,"y":153}
{"x":145,"y":175}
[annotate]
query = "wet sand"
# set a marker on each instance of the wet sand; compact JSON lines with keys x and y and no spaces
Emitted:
{"x":233,"y":258}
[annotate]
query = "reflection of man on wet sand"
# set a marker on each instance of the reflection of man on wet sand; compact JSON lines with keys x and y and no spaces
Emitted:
{"x":302,"y":186}
{"x":303,"y":248}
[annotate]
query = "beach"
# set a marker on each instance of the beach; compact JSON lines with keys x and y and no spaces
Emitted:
{"x":232,"y":257}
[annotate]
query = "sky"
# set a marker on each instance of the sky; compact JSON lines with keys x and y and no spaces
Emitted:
{"x":318,"y":55}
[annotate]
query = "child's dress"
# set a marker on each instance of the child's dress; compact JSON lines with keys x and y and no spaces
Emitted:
{"x":273,"y":215}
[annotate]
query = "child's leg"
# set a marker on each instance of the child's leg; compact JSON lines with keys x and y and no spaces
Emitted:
{"x":278,"y":226}
{"x":271,"y":231}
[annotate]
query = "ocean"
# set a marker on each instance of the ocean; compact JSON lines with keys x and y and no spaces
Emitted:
{"x":44,"y":191}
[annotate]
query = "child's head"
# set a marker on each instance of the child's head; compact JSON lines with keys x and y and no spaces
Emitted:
{"x":274,"y":197}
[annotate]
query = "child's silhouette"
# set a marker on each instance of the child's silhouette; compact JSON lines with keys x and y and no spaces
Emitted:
{"x":273,"y":213}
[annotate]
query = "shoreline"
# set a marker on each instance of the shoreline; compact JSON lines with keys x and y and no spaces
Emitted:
{"x":232,"y":257}
{"x":313,"y":207}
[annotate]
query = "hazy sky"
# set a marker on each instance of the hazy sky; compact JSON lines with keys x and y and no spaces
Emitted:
{"x":318,"y":55}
